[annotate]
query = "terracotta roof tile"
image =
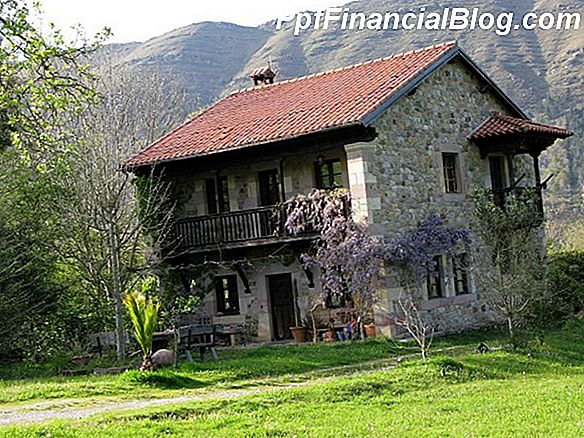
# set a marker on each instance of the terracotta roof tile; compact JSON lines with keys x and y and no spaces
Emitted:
{"x":292,"y":107}
{"x":501,"y":125}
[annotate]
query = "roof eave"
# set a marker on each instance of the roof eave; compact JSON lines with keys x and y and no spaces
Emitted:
{"x":132,"y":167}
{"x":493,"y":84}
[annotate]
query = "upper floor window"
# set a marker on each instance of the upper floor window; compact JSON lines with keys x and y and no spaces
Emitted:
{"x":329,"y":174}
{"x":269,"y":187}
{"x":435,"y":279}
{"x":450,"y":168}
{"x":499,"y":167}
{"x":227,"y":294}
{"x":217,"y":191}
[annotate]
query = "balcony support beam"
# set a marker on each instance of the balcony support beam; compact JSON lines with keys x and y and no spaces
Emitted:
{"x":536,"y":172}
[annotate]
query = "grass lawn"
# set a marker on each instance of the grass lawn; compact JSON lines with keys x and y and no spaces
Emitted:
{"x":235,"y":368}
{"x":538,"y":391}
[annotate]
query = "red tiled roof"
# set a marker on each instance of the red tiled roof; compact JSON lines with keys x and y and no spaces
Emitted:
{"x":293,"y":107}
{"x":500,"y":125}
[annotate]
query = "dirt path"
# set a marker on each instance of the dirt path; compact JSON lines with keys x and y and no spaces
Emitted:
{"x":38,"y":412}
{"x":78,"y":408}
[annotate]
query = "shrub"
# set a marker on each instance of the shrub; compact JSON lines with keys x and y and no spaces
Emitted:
{"x":566,"y":279}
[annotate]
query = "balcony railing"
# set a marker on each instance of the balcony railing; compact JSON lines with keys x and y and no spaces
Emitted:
{"x":530,"y":197}
{"x":261,"y":223}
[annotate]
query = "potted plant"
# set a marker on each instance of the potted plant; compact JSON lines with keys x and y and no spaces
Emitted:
{"x":370,"y":330}
{"x":298,"y":334}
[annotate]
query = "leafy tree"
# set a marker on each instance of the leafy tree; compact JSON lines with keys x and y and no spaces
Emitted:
{"x":143,"y":313}
{"x":43,"y":79}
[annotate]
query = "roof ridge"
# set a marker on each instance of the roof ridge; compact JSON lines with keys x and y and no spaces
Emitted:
{"x":452,"y":43}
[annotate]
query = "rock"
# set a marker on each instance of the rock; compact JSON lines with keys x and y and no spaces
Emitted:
{"x":163,"y":358}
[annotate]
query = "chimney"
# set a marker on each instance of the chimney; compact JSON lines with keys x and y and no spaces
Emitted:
{"x":263,"y":75}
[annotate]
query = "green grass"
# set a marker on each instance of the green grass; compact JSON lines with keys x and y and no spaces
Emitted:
{"x":537,"y":392}
{"x":235,"y":368}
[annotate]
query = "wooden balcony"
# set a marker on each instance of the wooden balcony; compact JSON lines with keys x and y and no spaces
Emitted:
{"x":527,"y":196}
{"x":238,"y":228}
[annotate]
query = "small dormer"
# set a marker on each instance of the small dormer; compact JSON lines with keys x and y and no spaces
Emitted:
{"x":263,"y":75}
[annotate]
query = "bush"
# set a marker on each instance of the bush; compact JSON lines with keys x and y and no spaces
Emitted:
{"x":566,"y":279}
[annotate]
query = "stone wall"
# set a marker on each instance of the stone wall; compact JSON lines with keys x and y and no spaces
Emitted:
{"x":395,"y":182}
{"x":406,"y":180}
{"x":255,"y":313}
{"x":243,"y":181}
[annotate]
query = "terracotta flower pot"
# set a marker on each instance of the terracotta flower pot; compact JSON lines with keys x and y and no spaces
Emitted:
{"x":299,"y":334}
{"x":329,"y":337}
{"x":370,"y":330}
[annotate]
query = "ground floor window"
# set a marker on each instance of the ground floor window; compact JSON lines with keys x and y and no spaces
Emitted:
{"x":435,"y":279}
{"x":227,"y":294}
{"x":460,"y":273}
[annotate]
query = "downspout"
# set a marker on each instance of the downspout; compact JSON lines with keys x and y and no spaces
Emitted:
{"x":282,"y":213}
{"x":282,"y":188}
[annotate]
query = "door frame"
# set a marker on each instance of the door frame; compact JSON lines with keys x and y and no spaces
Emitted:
{"x":269,"y":301}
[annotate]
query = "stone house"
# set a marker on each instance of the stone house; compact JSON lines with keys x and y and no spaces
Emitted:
{"x":407,"y":135}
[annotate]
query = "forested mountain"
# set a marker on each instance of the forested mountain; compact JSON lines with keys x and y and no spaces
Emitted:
{"x":542,"y":70}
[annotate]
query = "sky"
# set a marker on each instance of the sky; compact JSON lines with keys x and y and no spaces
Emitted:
{"x":135,"y":20}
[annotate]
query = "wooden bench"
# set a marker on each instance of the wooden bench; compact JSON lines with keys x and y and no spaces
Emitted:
{"x":197,"y":336}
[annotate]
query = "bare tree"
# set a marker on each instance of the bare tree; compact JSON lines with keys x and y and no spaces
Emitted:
{"x":417,"y":323}
{"x":513,"y":248}
{"x":109,"y":229}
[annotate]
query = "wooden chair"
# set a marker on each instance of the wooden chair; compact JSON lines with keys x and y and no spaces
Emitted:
{"x":197,"y":336}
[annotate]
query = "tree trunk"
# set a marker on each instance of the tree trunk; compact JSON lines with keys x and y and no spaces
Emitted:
{"x":147,"y":364}
{"x":117,"y":293}
{"x":512,"y":334}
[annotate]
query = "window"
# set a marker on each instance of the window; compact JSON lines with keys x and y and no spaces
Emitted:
{"x":435,"y":279}
{"x":460,"y":270}
{"x":227,"y":294}
{"x":269,"y":187}
{"x":211,"y":194}
{"x":217,"y":192}
{"x":450,"y":169}
{"x":499,"y":169}
{"x":222,"y":194}
{"x":328,"y":174}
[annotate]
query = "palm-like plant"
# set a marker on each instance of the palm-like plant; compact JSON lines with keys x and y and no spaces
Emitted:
{"x":144,"y":314}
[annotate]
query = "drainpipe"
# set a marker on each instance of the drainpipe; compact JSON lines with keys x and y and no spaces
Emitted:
{"x":282,"y":188}
{"x":282,"y":210}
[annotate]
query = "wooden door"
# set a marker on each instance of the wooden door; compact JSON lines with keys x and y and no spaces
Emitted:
{"x":282,"y":305}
